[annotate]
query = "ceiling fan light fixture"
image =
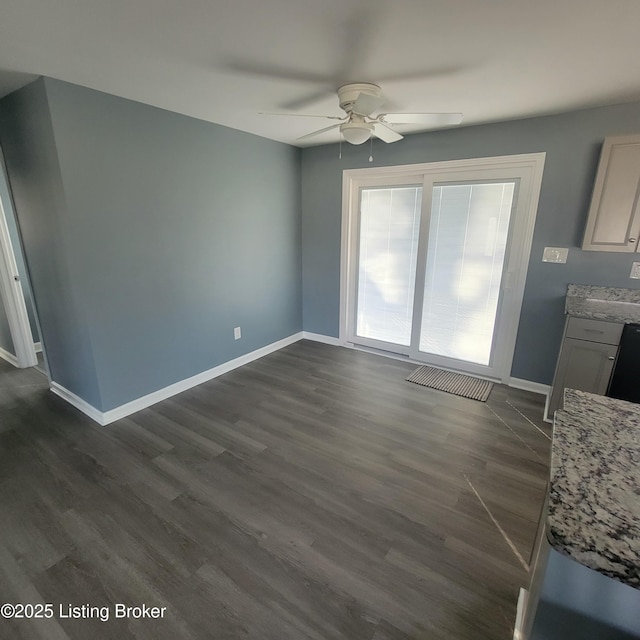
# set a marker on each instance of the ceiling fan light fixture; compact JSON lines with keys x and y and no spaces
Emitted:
{"x":361,"y":102}
{"x":356,"y":132}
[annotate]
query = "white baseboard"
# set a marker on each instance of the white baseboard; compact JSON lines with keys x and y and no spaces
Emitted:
{"x":527,"y":385}
{"x":77,"y":402}
{"x":518,"y":631}
{"x":107,"y":417}
{"x":534,"y":387}
{"x":318,"y":337}
{"x":9,"y":357}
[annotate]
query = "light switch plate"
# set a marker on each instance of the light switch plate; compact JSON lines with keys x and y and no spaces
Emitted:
{"x":555,"y":254}
{"x":635,"y":271}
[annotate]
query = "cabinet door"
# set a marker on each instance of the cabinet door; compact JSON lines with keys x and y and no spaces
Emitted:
{"x":583,"y":365}
{"x":613,"y":223}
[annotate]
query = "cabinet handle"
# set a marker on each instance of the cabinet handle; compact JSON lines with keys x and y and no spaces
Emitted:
{"x":593,"y":331}
{"x":611,"y":358}
{"x":632,"y":239}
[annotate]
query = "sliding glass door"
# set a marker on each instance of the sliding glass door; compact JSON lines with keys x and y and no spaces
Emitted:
{"x":465,"y":254}
{"x":433,"y":262}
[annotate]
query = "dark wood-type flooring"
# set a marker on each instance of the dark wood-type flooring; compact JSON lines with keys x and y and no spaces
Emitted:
{"x":313,"y":494}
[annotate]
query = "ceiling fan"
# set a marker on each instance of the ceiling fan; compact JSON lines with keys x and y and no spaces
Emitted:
{"x":360,"y":101}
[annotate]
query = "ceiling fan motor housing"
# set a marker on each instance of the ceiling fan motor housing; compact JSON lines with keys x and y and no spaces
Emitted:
{"x":349,"y":93}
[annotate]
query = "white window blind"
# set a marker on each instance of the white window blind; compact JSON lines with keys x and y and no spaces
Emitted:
{"x":468,"y":234}
{"x":388,"y":244}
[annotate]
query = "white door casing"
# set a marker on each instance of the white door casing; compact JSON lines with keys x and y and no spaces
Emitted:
{"x":13,"y":299}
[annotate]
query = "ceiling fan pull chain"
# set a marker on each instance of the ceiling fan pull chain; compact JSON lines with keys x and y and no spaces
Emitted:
{"x":340,"y":148}
{"x":371,"y":149}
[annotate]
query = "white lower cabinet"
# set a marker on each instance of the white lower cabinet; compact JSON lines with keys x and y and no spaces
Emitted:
{"x":586,"y":360}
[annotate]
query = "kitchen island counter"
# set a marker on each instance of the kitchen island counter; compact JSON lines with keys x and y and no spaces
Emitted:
{"x":585,"y":570}
{"x":594,"y":499}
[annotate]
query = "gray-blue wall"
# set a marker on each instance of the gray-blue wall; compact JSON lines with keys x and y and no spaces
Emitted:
{"x":28,"y":144}
{"x":150,"y":235}
{"x":173,"y":232}
{"x":572,"y":143}
{"x":577,"y":602}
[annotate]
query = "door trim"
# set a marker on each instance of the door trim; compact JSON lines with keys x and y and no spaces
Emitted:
{"x":530,"y":165}
{"x":13,"y":300}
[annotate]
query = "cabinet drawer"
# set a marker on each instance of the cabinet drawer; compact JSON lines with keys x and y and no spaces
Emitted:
{"x":594,"y":330}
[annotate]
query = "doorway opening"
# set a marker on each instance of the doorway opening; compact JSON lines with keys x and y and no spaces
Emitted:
{"x":19,"y":331}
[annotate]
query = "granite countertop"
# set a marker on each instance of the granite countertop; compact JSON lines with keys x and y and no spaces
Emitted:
{"x":594,"y":498}
{"x":603,"y":303}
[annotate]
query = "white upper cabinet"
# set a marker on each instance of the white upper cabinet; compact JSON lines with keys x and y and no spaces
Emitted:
{"x":614,"y":217}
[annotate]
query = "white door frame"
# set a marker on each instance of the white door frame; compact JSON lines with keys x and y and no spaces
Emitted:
{"x":530,"y":167}
{"x":13,"y":300}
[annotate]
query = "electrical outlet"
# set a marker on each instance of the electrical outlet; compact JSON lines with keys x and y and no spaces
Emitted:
{"x":237,"y":333}
{"x":635,"y":271}
{"x":555,"y":254}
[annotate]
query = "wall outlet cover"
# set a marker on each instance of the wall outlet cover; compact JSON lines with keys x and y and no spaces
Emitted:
{"x":555,"y":254}
{"x":237,"y":333}
{"x":635,"y":271}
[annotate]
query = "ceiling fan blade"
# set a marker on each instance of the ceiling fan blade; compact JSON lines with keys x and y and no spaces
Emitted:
{"x":252,"y":68}
{"x":386,"y":134}
{"x":300,"y":115}
{"x":366,"y":104}
{"x":359,"y":32}
{"x":317,"y":133}
{"x":431,"y":119}
{"x":260,"y":70}
{"x":308,"y":100}
{"x":422,"y":74}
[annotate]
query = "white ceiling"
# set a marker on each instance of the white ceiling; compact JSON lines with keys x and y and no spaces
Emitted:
{"x":227,"y":60}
